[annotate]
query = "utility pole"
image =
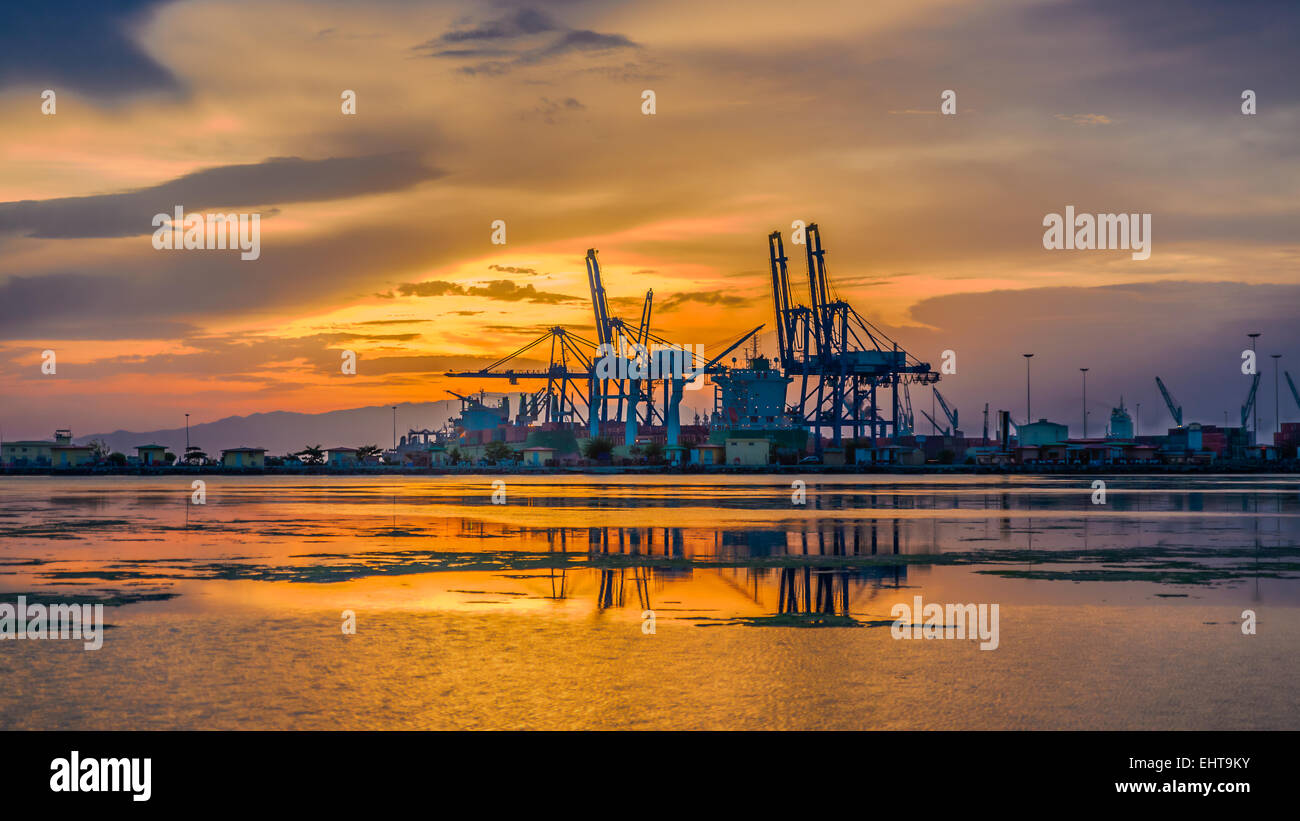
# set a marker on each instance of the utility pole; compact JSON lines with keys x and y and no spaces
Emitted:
{"x":394,"y":427}
{"x":1277,"y":401}
{"x":1085,"y":402}
{"x":1029,"y":413}
{"x":1255,"y":409}
{"x":1137,"y":423}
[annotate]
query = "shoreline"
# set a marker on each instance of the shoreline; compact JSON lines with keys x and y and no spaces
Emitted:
{"x":1280,"y":467}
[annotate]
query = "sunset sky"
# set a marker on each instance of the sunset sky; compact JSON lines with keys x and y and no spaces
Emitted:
{"x":376,"y":227}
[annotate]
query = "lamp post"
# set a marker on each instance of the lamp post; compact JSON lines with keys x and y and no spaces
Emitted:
{"x":187,"y":431}
{"x":1253,"y":337}
{"x":1029,"y":408}
{"x":394,"y":427}
{"x":1277,"y":401}
{"x":1085,"y":402}
{"x":1137,"y":423}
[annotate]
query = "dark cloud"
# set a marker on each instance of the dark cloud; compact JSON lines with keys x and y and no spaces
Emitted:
{"x":550,"y":111}
{"x":583,"y":40}
{"x":74,"y":306}
{"x":82,"y":45}
{"x":521,"y":23}
{"x":432,"y":287}
{"x":500,"y":42}
{"x":508,"y":269}
{"x":506,"y":290}
{"x":678,"y":301}
{"x":502,"y":289}
{"x":276,"y":180}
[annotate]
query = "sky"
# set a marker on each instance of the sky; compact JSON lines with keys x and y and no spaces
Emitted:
{"x":376,"y":227}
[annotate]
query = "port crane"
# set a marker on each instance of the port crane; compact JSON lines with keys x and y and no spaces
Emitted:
{"x":1175,"y":409}
{"x":951,"y":413}
{"x":1250,"y":400}
{"x":839,"y":358}
{"x":940,"y":428}
{"x":569,"y":368}
{"x":575,"y":394}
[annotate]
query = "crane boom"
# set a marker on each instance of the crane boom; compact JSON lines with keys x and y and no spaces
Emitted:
{"x":951,"y":413}
{"x":780,"y":295}
{"x":1175,"y":409}
{"x":1250,"y":400}
{"x":643,"y":332}
{"x":937,"y":426}
{"x":599,"y":306}
{"x":733,"y":347}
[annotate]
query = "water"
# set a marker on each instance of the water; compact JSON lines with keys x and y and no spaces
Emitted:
{"x":767,"y":613}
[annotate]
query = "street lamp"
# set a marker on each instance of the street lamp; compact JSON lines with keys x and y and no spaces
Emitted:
{"x":1029,"y":408}
{"x":1253,"y":337}
{"x":1085,"y":402}
{"x":1277,"y":401}
{"x":1137,"y":423}
{"x":394,"y":427}
{"x":187,"y":431}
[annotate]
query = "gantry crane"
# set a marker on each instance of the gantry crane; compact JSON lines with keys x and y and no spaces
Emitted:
{"x":840,"y":358}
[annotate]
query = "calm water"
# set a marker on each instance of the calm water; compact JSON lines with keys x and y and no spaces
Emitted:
{"x":767,"y":613}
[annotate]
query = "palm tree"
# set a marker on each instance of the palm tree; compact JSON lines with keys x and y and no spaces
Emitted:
{"x":368,"y":452}
{"x":311,"y":455}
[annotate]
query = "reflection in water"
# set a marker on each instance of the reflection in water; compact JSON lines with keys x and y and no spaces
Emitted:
{"x":593,"y":541}
{"x":471,"y":612}
{"x":808,"y":589}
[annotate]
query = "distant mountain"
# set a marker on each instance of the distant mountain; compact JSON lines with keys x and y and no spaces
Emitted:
{"x":281,"y":432}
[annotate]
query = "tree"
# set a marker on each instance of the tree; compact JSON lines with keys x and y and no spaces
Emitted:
{"x":169,"y":457}
{"x":99,"y":449}
{"x":194,"y":455}
{"x":368,"y":452}
{"x":117,"y":459}
{"x":653,"y":452}
{"x":311,"y":455}
{"x":453,"y":456}
{"x":496,"y":451}
{"x":597,"y":448}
